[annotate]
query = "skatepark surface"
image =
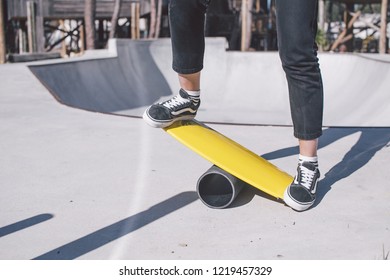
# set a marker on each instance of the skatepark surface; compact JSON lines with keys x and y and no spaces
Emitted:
{"x":83,"y":177}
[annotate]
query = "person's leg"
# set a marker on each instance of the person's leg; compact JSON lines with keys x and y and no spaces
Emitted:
{"x":308,"y":148}
{"x":187,"y":19}
{"x":190,"y":82}
{"x":297,"y":27}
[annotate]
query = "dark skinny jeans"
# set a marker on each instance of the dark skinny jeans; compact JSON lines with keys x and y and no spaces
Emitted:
{"x":296,"y":29}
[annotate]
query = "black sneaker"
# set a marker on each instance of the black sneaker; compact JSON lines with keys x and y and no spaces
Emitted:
{"x":301,"y":194}
{"x":180,"y":107}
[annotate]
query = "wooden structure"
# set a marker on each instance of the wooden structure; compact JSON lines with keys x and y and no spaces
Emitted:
{"x":70,"y":9}
{"x":358,"y":1}
{"x":351,"y":16}
{"x":246,"y":24}
{"x":44,"y":25}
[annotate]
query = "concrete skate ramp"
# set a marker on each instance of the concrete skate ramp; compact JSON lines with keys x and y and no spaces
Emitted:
{"x":129,"y":80}
{"x":237,"y":87}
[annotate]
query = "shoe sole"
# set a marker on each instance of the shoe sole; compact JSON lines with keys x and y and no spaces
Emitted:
{"x":294,"y":204}
{"x":161,"y":124}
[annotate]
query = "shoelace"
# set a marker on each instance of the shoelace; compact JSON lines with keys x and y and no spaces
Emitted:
{"x":175,"y":102}
{"x":307,"y":177}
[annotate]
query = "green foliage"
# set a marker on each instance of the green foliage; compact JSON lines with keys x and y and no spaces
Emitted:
{"x":321,"y":39}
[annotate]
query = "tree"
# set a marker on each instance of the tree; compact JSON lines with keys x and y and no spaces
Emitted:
{"x":115,"y":16}
{"x":89,"y":19}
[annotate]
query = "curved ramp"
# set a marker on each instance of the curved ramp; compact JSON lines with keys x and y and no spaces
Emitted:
{"x":127,"y":81}
{"x":238,"y":87}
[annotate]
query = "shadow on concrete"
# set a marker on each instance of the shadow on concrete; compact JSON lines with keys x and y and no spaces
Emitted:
{"x":371,"y":141}
{"x":248,"y":193}
{"x":119,"y":229}
{"x":25,"y":224}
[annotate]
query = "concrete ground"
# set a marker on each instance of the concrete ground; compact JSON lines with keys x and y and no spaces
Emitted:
{"x":77,"y":184}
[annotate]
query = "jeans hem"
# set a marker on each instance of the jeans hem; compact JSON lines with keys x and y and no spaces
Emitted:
{"x":307,"y":136}
{"x":187,"y":71}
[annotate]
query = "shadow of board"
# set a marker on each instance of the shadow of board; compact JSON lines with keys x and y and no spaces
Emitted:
{"x":119,"y":229}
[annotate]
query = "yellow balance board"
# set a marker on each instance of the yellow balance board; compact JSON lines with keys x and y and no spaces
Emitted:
{"x":231,"y":157}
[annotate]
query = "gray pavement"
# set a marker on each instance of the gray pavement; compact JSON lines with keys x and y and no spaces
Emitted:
{"x":77,"y":184}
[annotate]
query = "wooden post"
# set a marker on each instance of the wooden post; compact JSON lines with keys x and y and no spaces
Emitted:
{"x":244,"y":21}
{"x":31,"y":26}
{"x":135,"y":10}
{"x":158,"y":19}
{"x":82,"y":39}
{"x":114,"y":18}
{"x":63,"y":43}
{"x":2,"y":31}
{"x":22,"y":41}
{"x":89,"y":21}
{"x":382,"y":38}
{"x":321,"y":15}
{"x":246,"y":24}
{"x":39,"y":29}
{"x":152,"y":28}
